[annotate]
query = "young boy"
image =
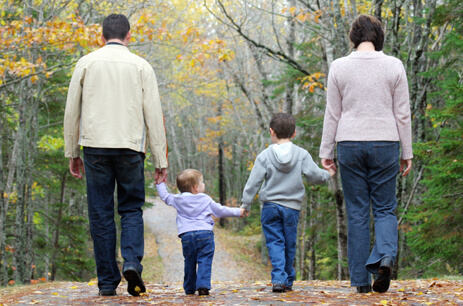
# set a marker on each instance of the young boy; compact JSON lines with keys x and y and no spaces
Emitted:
{"x":195,"y":225}
{"x":280,"y":167}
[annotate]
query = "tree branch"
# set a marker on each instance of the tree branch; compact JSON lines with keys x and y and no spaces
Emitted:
{"x":277,"y":55}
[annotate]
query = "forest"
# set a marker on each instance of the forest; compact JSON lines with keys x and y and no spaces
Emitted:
{"x":223,"y":68}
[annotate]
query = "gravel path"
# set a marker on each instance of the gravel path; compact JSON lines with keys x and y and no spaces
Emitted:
{"x":161,"y":221}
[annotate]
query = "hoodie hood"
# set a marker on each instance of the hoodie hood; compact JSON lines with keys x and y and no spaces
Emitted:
{"x":282,"y":156}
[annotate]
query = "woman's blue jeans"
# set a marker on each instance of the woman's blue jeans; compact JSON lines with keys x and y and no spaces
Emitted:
{"x":279,"y":224}
{"x":198,"y":251}
{"x":102,"y":173}
{"x":368,"y":174}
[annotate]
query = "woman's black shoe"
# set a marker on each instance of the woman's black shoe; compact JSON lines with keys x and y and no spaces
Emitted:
{"x":383,"y":279}
{"x":364,"y":289}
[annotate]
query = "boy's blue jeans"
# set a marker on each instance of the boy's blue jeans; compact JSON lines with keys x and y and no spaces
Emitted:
{"x":279,"y":224}
{"x":102,"y":173}
{"x":368,"y":174}
{"x":198,"y":250}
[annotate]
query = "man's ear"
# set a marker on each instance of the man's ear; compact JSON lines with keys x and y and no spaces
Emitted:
{"x":294,"y":135}
{"x":103,"y":39}
{"x":128,"y":38}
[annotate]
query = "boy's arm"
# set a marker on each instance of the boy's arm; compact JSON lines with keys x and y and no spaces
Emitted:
{"x":313,"y":173}
{"x":253,"y":184}
{"x":221,"y":211}
{"x":165,"y":195}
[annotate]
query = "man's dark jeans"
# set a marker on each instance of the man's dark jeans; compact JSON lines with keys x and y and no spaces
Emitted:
{"x":102,"y":173}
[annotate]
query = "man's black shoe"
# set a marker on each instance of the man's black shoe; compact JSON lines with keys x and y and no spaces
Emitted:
{"x":289,"y":288}
{"x":135,"y":284}
{"x":203,"y":291}
{"x":107,"y":292}
{"x":278,"y":288}
{"x":383,"y":279}
{"x":364,"y":289}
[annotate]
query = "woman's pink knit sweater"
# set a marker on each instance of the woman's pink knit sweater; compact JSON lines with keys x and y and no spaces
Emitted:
{"x":367,"y":100}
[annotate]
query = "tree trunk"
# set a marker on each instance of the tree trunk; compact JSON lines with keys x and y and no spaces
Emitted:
{"x":343,"y":271}
{"x":311,"y":240}
{"x":54,"y":263}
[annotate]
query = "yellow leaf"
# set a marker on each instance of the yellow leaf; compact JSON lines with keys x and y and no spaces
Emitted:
{"x":74,"y":287}
{"x":383,"y":302}
{"x":34,"y":79}
{"x":54,"y":293}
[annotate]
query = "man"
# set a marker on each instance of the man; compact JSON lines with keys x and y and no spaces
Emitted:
{"x":112,"y":108}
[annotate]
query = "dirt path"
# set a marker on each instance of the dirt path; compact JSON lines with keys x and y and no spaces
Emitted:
{"x":416,"y":292}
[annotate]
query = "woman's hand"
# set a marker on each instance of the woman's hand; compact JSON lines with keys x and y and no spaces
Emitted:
{"x":328,"y":164}
{"x":408,"y":164}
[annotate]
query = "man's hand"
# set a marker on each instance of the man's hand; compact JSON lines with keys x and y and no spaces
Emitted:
{"x":408,"y":164}
{"x":161,"y":175}
{"x":76,"y":166}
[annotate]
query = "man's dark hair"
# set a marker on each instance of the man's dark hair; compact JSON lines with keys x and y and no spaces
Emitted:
{"x":116,"y":26}
{"x":367,"y":28}
{"x":283,"y":124}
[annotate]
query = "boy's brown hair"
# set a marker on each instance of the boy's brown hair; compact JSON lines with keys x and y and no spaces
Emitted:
{"x":283,"y":124}
{"x":187,"y":179}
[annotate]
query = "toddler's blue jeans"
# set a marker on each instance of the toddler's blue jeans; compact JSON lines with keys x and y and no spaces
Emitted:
{"x":198,"y":251}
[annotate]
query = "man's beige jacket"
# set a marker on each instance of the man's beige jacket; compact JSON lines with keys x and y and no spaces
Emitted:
{"x":113,"y":102}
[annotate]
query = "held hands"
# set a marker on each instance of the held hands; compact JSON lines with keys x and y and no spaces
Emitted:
{"x":244,"y":213}
{"x":76,"y":167}
{"x":329,"y":165}
{"x":160,"y":176}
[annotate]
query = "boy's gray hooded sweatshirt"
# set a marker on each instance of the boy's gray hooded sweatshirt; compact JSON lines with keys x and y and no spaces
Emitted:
{"x":280,"y":168}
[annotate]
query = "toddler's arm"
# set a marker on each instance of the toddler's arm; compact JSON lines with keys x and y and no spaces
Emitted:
{"x":224,"y":211}
{"x":165,"y":195}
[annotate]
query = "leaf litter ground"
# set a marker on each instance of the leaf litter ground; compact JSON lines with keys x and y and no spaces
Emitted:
{"x":406,"y":292}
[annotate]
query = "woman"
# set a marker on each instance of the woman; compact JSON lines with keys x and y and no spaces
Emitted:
{"x":368,"y":116}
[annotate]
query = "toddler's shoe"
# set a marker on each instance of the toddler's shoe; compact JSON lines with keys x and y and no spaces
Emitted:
{"x":364,"y":289}
{"x":278,"y":288}
{"x":203,"y":291}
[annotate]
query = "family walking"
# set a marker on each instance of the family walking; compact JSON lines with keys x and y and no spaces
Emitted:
{"x":113,"y":111}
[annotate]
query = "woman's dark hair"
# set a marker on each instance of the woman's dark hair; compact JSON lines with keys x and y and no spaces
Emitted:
{"x":115,"y":26}
{"x":283,"y":124}
{"x":367,"y":28}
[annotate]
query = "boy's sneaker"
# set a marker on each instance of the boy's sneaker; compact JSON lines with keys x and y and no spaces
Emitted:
{"x":278,"y":288}
{"x":135,"y":284}
{"x":289,"y":288}
{"x":203,"y":291}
